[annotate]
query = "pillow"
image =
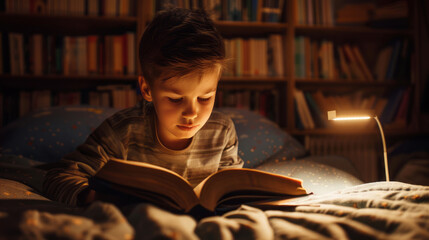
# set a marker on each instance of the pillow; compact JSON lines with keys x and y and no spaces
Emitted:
{"x":317,"y":177}
{"x":48,"y":134}
{"x":259,"y":138}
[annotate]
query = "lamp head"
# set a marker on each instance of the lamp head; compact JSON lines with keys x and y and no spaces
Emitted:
{"x":360,"y":115}
{"x":349,"y":115}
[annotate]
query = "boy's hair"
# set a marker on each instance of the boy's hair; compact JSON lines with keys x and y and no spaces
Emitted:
{"x":177,"y":42}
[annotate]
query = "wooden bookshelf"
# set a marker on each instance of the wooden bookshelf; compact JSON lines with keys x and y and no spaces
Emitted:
{"x":66,"y":25}
{"x":57,"y":25}
{"x":61,"y":82}
{"x":287,"y":27}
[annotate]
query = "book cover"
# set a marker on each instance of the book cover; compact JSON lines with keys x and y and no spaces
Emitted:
{"x":362,"y":63}
{"x":353,"y":63}
{"x":401,"y":117}
{"x":393,"y":63}
{"x":315,"y":111}
{"x":303,"y":110}
{"x":344,"y":66}
{"x":382,"y":63}
{"x":169,"y":190}
{"x":391,"y":107}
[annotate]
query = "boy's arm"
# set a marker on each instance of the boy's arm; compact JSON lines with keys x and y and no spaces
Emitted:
{"x":66,"y":182}
{"x":230,"y":158}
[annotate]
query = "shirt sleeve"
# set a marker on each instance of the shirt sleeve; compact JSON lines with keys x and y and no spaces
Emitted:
{"x":64,"y":182}
{"x":230,"y":158}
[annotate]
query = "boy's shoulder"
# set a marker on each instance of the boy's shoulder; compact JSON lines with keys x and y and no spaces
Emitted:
{"x":128,"y":116}
{"x":219,"y":118}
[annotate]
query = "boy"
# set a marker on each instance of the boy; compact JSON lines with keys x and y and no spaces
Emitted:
{"x":181,"y":56}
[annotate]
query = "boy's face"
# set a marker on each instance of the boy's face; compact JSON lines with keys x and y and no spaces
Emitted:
{"x":183,"y":105}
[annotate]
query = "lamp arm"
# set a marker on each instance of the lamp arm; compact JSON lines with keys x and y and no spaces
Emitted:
{"x":386,"y":167}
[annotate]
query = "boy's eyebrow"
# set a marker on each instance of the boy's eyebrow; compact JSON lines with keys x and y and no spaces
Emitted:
{"x":178,"y":92}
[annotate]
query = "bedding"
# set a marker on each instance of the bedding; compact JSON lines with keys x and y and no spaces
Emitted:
{"x":341,"y":206}
{"x":380,"y":210}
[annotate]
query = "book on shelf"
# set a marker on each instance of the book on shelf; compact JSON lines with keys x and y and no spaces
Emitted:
{"x":223,"y":189}
{"x":254,"y":56}
{"x":118,"y":96}
{"x":1,"y":54}
{"x":353,"y":62}
{"x":317,"y":114}
{"x":271,"y":11}
{"x":382,"y":63}
{"x":389,"y":111}
{"x":300,"y":57}
{"x":303,"y":110}
{"x":393,"y":62}
{"x":362,"y":63}
{"x":231,"y":10}
{"x":73,"y":8}
{"x":390,"y":14}
{"x":314,"y":12}
{"x":264,"y":102}
{"x":344,"y":66}
{"x":401,"y":116}
{"x":354,"y":14}
{"x":70,"y":55}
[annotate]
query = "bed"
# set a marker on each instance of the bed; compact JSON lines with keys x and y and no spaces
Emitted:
{"x":341,"y":206}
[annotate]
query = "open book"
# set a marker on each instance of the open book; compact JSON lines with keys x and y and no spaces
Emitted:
{"x":167,"y":189}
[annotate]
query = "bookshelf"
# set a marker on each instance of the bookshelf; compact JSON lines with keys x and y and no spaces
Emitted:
{"x":57,"y":27}
{"x":290,"y":19}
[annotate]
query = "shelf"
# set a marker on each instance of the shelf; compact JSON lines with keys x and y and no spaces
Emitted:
{"x":61,"y":81}
{"x":307,"y":83}
{"x":355,"y":32}
{"x":249,"y":29}
{"x":66,"y":25}
{"x":254,"y":79}
{"x":355,"y":131}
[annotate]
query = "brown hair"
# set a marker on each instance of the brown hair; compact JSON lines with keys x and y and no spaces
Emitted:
{"x":177,"y":42}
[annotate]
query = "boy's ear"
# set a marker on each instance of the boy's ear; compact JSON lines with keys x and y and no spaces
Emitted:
{"x":145,"y":89}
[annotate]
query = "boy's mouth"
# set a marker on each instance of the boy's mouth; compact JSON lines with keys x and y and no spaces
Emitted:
{"x":187,"y":128}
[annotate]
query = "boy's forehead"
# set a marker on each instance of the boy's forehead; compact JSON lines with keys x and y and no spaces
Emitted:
{"x":205,"y":82}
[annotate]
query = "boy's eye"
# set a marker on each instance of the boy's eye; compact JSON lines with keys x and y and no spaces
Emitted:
{"x":175,"y":100}
{"x":204,"y":99}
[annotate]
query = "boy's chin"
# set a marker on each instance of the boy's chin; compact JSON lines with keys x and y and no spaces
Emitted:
{"x":185,"y":133}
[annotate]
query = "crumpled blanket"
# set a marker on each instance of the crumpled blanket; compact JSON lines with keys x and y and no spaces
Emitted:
{"x":382,"y":210}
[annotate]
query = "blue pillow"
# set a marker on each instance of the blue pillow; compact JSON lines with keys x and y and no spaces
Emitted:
{"x":48,"y":134}
{"x":259,"y":138}
{"x":317,"y":177}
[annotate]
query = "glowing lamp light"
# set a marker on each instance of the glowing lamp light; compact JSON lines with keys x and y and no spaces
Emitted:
{"x":332,"y":115}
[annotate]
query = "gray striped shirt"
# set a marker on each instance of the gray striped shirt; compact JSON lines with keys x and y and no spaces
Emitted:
{"x":130,"y":135}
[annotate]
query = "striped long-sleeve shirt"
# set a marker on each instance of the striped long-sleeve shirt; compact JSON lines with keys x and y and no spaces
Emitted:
{"x":130,"y":135}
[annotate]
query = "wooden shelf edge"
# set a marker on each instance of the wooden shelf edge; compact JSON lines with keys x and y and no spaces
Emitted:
{"x":53,"y":81}
{"x":351,"y":131}
{"x":352,"y":30}
{"x":343,"y":82}
{"x":24,"y":16}
{"x":262,"y":79}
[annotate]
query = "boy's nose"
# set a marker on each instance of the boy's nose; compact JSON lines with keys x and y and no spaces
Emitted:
{"x":190,"y":112}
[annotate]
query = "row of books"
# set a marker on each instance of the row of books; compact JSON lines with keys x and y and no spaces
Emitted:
{"x":71,"y":7}
{"x":314,"y":12}
{"x":331,"y":12}
{"x":264,"y":102}
{"x":19,"y":103}
{"x":326,"y":60}
{"x":382,"y":14}
{"x":68,"y":55}
{"x":311,"y":108}
{"x":255,"y":56}
{"x":232,"y":10}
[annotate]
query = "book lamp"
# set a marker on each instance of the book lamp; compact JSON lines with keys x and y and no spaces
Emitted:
{"x":332,"y":115}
